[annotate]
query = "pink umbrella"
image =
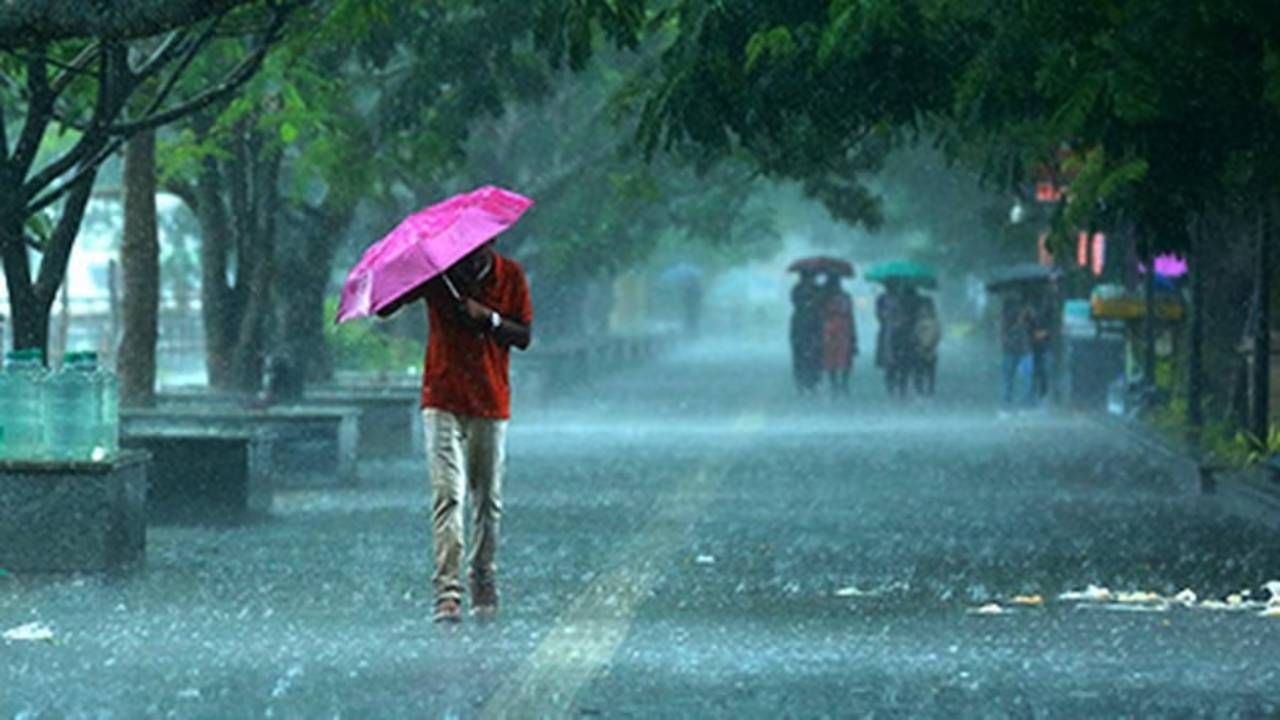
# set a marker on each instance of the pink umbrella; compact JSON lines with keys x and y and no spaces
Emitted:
{"x":1170,"y":266}
{"x":426,"y":244}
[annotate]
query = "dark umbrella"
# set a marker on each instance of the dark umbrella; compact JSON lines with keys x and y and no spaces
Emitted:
{"x":1020,"y":275}
{"x":822,"y":264}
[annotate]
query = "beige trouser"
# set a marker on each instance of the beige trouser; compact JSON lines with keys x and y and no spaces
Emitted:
{"x":464,"y":453}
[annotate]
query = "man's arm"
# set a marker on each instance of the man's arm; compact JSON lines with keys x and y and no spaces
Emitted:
{"x":418,"y":293}
{"x":505,"y":331}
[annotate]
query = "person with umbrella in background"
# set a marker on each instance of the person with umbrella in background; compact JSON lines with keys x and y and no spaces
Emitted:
{"x":1029,"y":328}
{"x":478,"y":308}
{"x":806,"y":331}
{"x":1017,"y":327}
{"x":898,"y":310}
{"x":1045,"y":338}
{"x":808,"y":320}
{"x":928,"y":335}
{"x":839,"y":334}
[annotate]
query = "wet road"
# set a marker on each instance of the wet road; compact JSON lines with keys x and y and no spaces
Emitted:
{"x":691,"y":540}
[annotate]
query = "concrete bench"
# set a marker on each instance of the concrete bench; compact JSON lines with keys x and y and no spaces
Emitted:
{"x":390,"y":419}
{"x":314,"y":445}
{"x":205,"y":475}
{"x":73,"y":516}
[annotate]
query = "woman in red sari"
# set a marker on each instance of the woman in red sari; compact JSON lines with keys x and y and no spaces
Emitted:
{"x":839,"y":335}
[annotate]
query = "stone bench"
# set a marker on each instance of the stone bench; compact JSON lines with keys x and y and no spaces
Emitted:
{"x":390,"y":420}
{"x":73,"y":516}
{"x":313,"y":445}
{"x":205,"y":475}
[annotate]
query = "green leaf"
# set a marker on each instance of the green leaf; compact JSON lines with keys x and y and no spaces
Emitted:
{"x":775,"y":43}
{"x":289,"y":133}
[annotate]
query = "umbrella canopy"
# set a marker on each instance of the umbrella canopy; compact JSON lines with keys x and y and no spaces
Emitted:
{"x":904,"y":271}
{"x":822,"y":264}
{"x":426,"y":244}
{"x":1167,"y":266}
{"x":1013,"y":276}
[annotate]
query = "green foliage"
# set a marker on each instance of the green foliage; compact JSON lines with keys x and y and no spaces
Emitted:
{"x":363,"y":346}
{"x":1241,"y":449}
{"x":775,"y":44}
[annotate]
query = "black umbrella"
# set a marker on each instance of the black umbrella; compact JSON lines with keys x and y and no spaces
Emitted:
{"x":1022,"y":274}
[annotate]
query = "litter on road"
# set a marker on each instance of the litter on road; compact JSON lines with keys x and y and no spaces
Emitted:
{"x":31,"y":632}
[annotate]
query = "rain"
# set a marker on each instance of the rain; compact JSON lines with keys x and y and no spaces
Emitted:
{"x":639,"y":358}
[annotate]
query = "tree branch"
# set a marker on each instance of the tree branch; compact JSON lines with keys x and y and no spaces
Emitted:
{"x":230,"y":84}
{"x":38,"y":116}
{"x":188,"y":55}
{"x":112,"y":71}
{"x":88,"y":168}
{"x":98,"y":131}
{"x":184,"y":191}
{"x":31,"y":23}
{"x":78,"y":66}
{"x":169,"y":48}
{"x":53,"y":266}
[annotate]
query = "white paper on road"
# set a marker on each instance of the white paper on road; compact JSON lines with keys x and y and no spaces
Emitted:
{"x":31,"y":632}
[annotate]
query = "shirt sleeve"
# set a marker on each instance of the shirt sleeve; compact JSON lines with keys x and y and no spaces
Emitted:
{"x":521,"y":302}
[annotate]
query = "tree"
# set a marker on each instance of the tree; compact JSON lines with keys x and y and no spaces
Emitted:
{"x":99,"y":93}
{"x":1168,"y":111}
{"x":354,"y":112}
{"x":140,"y":262}
{"x":31,"y":23}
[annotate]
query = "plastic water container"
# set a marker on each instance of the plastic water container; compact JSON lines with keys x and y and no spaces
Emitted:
{"x":22,"y":385}
{"x":73,"y":415}
{"x":107,"y":387}
{"x":78,"y":409}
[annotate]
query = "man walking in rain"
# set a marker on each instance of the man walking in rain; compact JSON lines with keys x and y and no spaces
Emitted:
{"x":477,"y":312}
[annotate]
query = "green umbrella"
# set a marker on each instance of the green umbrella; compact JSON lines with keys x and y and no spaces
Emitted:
{"x":904,"y":271}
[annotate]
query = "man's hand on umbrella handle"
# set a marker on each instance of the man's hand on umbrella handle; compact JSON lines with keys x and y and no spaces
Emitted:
{"x":477,"y":312}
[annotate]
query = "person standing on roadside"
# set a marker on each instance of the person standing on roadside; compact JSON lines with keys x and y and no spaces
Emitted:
{"x":839,"y":335}
{"x":1017,"y":325}
{"x":928,"y":335}
{"x":478,"y":310}
{"x":806,"y":332}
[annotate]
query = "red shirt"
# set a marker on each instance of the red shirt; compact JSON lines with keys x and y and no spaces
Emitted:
{"x":466,"y":370}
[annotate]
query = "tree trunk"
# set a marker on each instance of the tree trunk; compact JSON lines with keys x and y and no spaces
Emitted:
{"x":1195,"y":349}
{"x":256,"y":211}
{"x":30,"y":326}
{"x":140,"y":258}
{"x":1260,"y":419}
{"x":218,"y":304}
{"x":306,"y":257}
{"x":31,"y":302}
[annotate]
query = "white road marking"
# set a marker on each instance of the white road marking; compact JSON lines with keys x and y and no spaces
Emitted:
{"x":588,"y":633}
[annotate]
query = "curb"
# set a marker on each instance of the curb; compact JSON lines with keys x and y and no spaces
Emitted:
{"x":1251,"y":494}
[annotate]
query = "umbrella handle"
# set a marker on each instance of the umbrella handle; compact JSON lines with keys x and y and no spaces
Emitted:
{"x":452,"y":290}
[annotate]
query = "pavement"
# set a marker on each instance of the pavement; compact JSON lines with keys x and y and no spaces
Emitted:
{"x":690,"y":539}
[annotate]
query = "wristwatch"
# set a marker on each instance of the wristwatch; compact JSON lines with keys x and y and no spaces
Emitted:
{"x":495,"y":320}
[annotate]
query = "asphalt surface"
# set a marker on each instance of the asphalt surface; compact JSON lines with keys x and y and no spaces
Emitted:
{"x":690,"y":539}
